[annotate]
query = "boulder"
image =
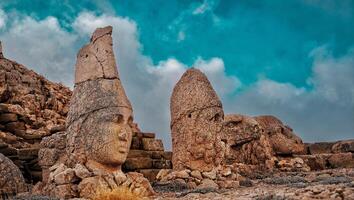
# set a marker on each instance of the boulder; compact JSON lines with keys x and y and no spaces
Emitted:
{"x":245,"y":141}
{"x":282,"y":138}
{"x":11,"y":179}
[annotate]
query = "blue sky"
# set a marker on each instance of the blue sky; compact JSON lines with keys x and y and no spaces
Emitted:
{"x":293,"y":59}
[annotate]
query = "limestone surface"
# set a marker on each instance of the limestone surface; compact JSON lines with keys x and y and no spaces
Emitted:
{"x":11,"y":179}
{"x":245,"y":141}
{"x":282,"y":138}
{"x":196,"y":123}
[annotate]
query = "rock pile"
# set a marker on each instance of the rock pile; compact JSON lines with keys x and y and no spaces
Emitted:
{"x":147,"y":155}
{"x":31,"y":108}
{"x":99,"y":131}
{"x":327,"y":155}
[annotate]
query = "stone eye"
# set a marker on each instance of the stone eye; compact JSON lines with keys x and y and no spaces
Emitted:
{"x":118,"y":119}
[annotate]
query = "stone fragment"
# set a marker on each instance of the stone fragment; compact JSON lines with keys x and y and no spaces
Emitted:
{"x":65,"y":177}
{"x":11,"y":179}
{"x":151,"y":144}
{"x":208,"y":184}
{"x":81,"y":171}
{"x":183,"y":174}
{"x":341,"y":160}
{"x":163,"y":173}
{"x":8,"y":117}
{"x":150,"y":174}
{"x":138,"y":163}
{"x":148,"y":135}
{"x":282,"y":138}
{"x":320,"y":147}
{"x":196,"y":123}
{"x":196,"y":174}
{"x":210,"y":175}
{"x":343,"y":146}
{"x":245,"y":141}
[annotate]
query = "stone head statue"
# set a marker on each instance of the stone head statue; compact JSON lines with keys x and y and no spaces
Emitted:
{"x":245,"y":141}
{"x":100,"y":115}
{"x":196,"y":123}
{"x":282,"y":138}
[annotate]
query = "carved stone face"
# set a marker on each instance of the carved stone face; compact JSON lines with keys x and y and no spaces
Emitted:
{"x":108,"y":138}
{"x":284,"y":141}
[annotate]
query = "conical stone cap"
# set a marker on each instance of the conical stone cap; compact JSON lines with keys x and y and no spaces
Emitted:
{"x":97,"y":83}
{"x":192,"y":92}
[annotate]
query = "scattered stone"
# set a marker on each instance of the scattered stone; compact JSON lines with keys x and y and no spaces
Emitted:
{"x":246,"y":182}
{"x":208,"y":183}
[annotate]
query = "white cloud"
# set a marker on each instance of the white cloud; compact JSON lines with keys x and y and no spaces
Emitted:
{"x":41,"y":45}
{"x":3,"y":19}
{"x":324,"y":111}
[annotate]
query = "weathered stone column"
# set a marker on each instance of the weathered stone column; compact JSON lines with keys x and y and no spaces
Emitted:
{"x":196,"y":123}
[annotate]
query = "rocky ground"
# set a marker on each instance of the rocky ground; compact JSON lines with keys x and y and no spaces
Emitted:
{"x":325,"y":184}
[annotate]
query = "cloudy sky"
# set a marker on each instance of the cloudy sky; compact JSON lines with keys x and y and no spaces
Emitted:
{"x":293,"y":59}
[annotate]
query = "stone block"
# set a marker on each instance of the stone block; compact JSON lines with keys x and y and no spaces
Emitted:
{"x":8,"y":117}
{"x":28,"y":153}
{"x":343,"y":146}
{"x":151,"y":144}
{"x":137,"y":163}
{"x":316,"y":162}
{"x":320,"y":147}
{"x":148,"y":135}
{"x":341,"y":160}
{"x":162,"y":164}
{"x":14,"y":126}
{"x":136,"y":143}
{"x":150,"y":174}
{"x":133,"y":153}
{"x":9,"y":151}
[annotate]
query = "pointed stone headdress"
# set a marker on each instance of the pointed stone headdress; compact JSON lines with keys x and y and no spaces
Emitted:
{"x":97,"y":83}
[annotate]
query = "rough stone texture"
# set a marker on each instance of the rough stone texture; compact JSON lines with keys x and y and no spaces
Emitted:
{"x":245,"y":141}
{"x":196,"y":123}
{"x":11,"y":179}
{"x":147,"y":155}
{"x":282,"y":138}
{"x":96,"y":59}
{"x":325,"y":184}
{"x":89,"y":155}
{"x":343,"y":146}
{"x":31,"y":108}
{"x":320,"y":147}
{"x":100,"y":115}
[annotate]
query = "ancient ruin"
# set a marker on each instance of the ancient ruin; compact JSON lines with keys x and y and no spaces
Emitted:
{"x":99,"y":130}
{"x":246,"y":142}
{"x":56,"y":150}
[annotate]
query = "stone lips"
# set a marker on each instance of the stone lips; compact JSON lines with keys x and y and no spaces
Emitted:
{"x":196,"y":122}
{"x":192,"y":92}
